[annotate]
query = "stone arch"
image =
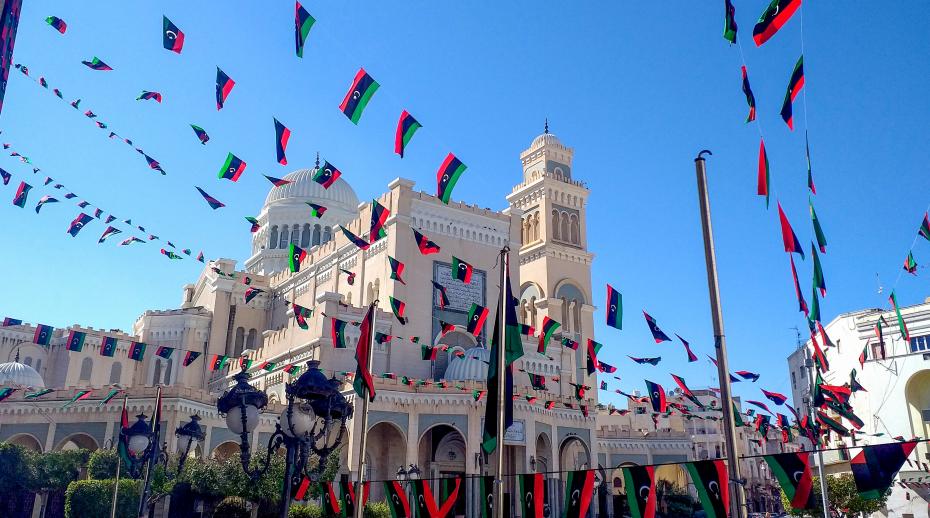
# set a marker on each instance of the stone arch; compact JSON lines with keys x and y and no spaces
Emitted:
{"x":543,"y":452}
{"x":225,"y":450}
{"x":273,"y":238}
{"x":327,"y":234}
{"x":284,"y":238}
{"x":441,"y":451}
{"x":87,"y":369}
{"x":573,"y":229}
{"x":26,"y":440}
{"x":305,"y":236}
{"x":239,"y":343}
{"x":555,"y":224}
{"x":316,"y":235}
{"x":77,"y":441}
{"x":917,"y":395}
{"x":387,"y":451}
{"x":535,"y":226}
{"x":251,"y":338}
{"x":295,"y":234}
{"x":563,"y":226}
{"x":568,"y":289}
{"x":574,"y":455}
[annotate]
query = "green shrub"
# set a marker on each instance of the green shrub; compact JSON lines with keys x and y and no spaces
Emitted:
{"x":377,"y":510}
{"x":102,"y":465}
{"x":233,"y":507}
{"x":305,"y":511}
{"x":94,"y":497}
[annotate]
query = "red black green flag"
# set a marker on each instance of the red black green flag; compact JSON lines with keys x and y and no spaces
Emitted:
{"x":232,"y":169}
{"x":136,"y":351}
{"x":337,"y":332}
{"x":379,"y":215}
{"x":448,"y":175}
{"x":443,"y":297}
{"x":255,"y":225}
{"x":592,"y":363}
{"x":729,"y":23}
{"x":863,"y":356}
{"x":189,"y":358}
{"x":764,"y":177}
{"x":875,"y":467}
{"x":476,"y":317}
{"x":449,"y":491}
{"x":329,"y":499}
{"x":656,"y":397}
{"x":711,"y":480}
{"x":691,"y":356}
{"x":316,"y":211}
{"x":614,"y":308}
{"x":513,"y":350}
{"x":424,"y":504}
{"x":397,"y":270}
{"x":302,"y":24}
{"x":357,"y":241}
{"x":445,"y":328}
{"x":396,"y":498}
{"x":568,"y":343}
{"x":640,"y":485}
{"x":6,"y":392}
{"x":281,"y":135}
{"x":750,"y":98}
{"x":75,"y":341}
{"x":834,"y":425}
{"x":425,"y":245}
{"x":794,"y":475}
{"x":291,"y":369}
{"x":579,"y":493}
{"x":549,"y":327}
{"x":795,"y":84}
{"x":398,"y":307}
{"x":348,"y":500}
{"x":910,"y":264}
{"x":108,"y":346}
{"x":775,"y":16}
{"x":358,"y":96}
{"x":792,"y":245}
{"x":224,"y":85}
{"x":252,"y":292}
{"x":461,"y":270}
{"x":685,"y":391}
{"x":96,"y":64}
{"x":201,"y":134}
{"x":924,"y":230}
{"x":22,"y":192}
{"x":643,"y":361}
{"x":296,"y":255}
{"x":657,"y":334}
{"x":172,"y":38}
{"x":810,"y":175}
{"x":326,"y":175}
{"x":149,"y":96}
{"x":486,"y":497}
{"x":300,"y":315}
{"x":406,"y":127}
{"x":57,"y":23}
{"x":211,"y":201}
{"x":428,"y":352}
{"x":905,"y":334}
{"x":819,"y":281}
{"x":218,"y":362}
{"x":363,"y":381}
{"x":775,"y":397}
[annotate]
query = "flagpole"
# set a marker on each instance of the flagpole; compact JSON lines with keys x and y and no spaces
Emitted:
{"x":720,"y":343}
{"x":501,"y":389}
{"x":363,"y":439}
{"x":119,"y":461}
{"x":152,"y":453}
{"x":824,"y":497}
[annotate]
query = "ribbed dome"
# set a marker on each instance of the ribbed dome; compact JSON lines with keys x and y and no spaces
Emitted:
{"x":546,"y":138}
{"x":19,"y":375}
{"x":302,"y":189}
{"x":471,"y":367}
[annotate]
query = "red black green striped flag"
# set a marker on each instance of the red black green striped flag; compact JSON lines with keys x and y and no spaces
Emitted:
{"x":57,"y":23}
{"x":108,"y":346}
{"x":281,"y":135}
{"x":255,"y":224}
{"x":164,"y":352}
{"x":549,"y":328}
{"x":792,"y":245}
{"x":729,"y":22}
{"x":905,"y":334}
{"x":38,"y":394}
{"x":802,"y":304}
{"x":498,"y":374}
{"x":486,"y":497}
{"x":149,"y":96}
{"x":656,"y":397}
{"x":775,"y":16}
{"x":476,"y":317}
{"x":22,"y":193}
{"x":795,"y":84}
{"x":834,"y":425}
{"x":764,"y":176}
{"x":397,"y":270}
{"x":747,"y":91}
{"x":448,"y":175}
{"x":819,"y":282}
{"x":398,"y":307}
{"x":136,"y":351}
{"x":358,"y":96}
{"x":80,"y":395}
{"x":685,"y":391}
{"x":296,"y":255}
{"x":218,"y":362}
{"x":316,"y":211}
{"x":201,"y":134}
{"x":338,"y":332}
{"x":425,"y":245}
{"x":593,"y":348}
{"x":6,"y":392}
{"x":711,"y":480}
{"x":97,"y":64}
{"x":875,"y":467}
{"x":810,"y":174}
{"x":691,"y":356}
{"x":443,"y":297}
{"x":224,"y":85}
{"x":614,"y":308}
{"x":396,"y":498}
{"x":302,"y":24}
{"x":910,"y":264}
{"x":278,"y":182}
{"x":211,"y":201}
{"x":424,"y":503}
{"x":461,"y":270}
{"x":189,"y":358}
{"x":357,"y":241}
{"x":300,"y":315}
{"x":449,"y":495}
{"x":428,"y":352}
{"x":579,"y":492}
{"x":329,"y":499}
{"x":924,"y":230}
{"x":793,"y":472}
{"x":657,"y":334}
{"x":406,"y":127}
{"x":252,"y":292}
{"x":639,"y":483}
{"x":326,"y":175}
{"x":379,"y":215}
{"x":75,"y":341}
{"x":172,"y":38}
{"x":232,"y":169}
{"x":534,"y":495}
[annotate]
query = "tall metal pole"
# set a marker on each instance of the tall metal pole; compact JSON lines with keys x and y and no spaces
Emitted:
{"x":809,"y":364}
{"x":119,"y":461}
{"x":720,"y":343}
{"x":290,"y":451}
{"x":501,"y":389}
{"x":153,"y":453}
{"x":363,"y":440}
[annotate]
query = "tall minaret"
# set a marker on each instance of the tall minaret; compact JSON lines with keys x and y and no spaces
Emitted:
{"x":555,"y":265}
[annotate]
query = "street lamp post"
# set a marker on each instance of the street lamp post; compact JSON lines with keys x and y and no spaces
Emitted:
{"x":188,"y":436}
{"x":140,"y":443}
{"x":314,"y":421}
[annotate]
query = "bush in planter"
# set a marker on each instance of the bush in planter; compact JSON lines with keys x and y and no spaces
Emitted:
{"x":377,"y":510}
{"x":94,"y":498}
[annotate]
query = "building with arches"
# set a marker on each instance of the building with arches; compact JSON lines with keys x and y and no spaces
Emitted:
{"x":896,"y":402}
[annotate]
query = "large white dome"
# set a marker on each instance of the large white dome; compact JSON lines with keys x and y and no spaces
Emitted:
{"x":303,"y":189}
{"x":19,"y":375}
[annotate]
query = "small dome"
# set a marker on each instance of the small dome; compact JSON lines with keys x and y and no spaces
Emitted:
{"x":546,"y":139}
{"x":19,"y":375}
{"x":302,"y":189}
{"x":471,"y":367}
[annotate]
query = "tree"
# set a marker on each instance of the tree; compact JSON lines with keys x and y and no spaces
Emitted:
{"x":842,"y":492}
{"x":95,"y":497}
{"x":53,"y":471}
{"x":102,"y":465}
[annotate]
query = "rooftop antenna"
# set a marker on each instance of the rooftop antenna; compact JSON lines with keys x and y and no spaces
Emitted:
{"x":546,"y":127}
{"x":797,"y":332}
{"x":879,"y":281}
{"x":317,"y":159}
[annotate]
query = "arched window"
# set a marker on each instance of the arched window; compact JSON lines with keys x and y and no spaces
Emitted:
{"x":168,"y":371}
{"x":555,"y":224}
{"x":28,"y":361}
{"x":576,"y":315}
{"x":156,"y":374}
{"x":327,"y":234}
{"x":295,"y":234}
{"x":282,"y":242}
{"x":574,"y":229}
{"x":250,"y":340}
{"x":370,"y":293}
{"x":273,"y":240}
{"x":566,"y":321}
{"x":316,"y":235}
{"x":563,"y":228}
{"x":87,"y":368}
{"x":535,"y":226}
{"x":532,"y":321}
{"x":116,"y":372}
{"x":240,"y":339}
{"x":377,"y":288}
{"x":305,"y":236}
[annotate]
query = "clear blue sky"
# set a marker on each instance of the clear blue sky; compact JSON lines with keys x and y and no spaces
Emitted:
{"x":635,"y":88}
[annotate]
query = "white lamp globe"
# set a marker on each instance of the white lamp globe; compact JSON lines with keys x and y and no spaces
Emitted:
{"x":184,"y":442}
{"x":234,"y":419}
{"x":301,"y":420}
{"x":138,"y":444}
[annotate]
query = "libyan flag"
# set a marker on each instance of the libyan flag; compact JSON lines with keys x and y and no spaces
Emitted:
{"x":579,"y":491}
{"x":513,"y":349}
{"x":396,"y":499}
{"x":794,"y":474}
{"x":710,"y":479}
{"x":875,"y":467}
{"x":640,"y":485}
{"x":534,"y":495}
{"x":363,"y":382}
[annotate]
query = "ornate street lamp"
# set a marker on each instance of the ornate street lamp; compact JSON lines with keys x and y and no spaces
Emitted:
{"x":313,"y":421}
{"x":139,"y":441}
{"x":188,"y":435}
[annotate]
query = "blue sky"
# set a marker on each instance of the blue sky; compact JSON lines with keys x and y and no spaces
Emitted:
{"x":635,"y":88}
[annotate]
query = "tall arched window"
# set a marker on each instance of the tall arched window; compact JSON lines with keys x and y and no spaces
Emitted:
{"x":555,"y":224}
{"x":576,"y":315}
{"x":87,"y":368}
{"x":295,"y":234}
{"x":250,"y":339}
{"x":563,"y":228}
{"x":535,"y":226}
{"x":240,"y":339}
{"x":327,"y":234}
{"x":168,"y":371}
{"x":305,"y":236}
{"x":282,"y":242}
{"x":316,"y":235}
{"x":566,"y":321}
{"x":370,"y":293}
{"x":573,"y":229}
{"x":156,"y":373}
{"x":273,"y":240}
{"x":116,"y":372}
